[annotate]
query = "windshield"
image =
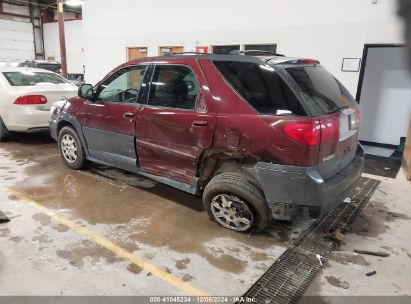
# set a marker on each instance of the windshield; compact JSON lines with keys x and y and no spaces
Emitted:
{"x":27,"y":78}
{"x":323,"y":93}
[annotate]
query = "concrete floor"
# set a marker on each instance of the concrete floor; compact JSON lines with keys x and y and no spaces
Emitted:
{"x":384,"y":225}
{"x":164,"y":243}
{"x":80,"y":233}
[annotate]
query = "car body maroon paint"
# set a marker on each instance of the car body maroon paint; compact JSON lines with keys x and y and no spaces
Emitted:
{"x":247,"y":132}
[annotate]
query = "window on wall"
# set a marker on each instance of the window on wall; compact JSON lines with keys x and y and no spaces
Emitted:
{"x":225,"y":49}
{"x":261,"y":47}
{"x":173,"y":86}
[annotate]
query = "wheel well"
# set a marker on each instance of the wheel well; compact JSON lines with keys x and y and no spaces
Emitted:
{"x":214,"y":163}
{"x":63,"y":124}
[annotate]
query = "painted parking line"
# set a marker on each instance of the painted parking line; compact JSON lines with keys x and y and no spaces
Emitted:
{"x":165,"y":276}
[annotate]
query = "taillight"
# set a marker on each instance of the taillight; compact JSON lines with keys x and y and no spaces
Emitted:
{"x":305,"y":133}
{"x":330,"y":130}
{"x":309,"y":61}
{"x":31,"y":100}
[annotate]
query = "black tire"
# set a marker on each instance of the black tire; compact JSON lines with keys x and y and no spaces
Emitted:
{"x":3,"y":131}
{"x":238,"y":186}
{"x":79,"y":161}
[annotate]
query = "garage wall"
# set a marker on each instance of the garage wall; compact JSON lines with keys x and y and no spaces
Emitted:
{"x":328,"y":30}
{"x":74,"y":44}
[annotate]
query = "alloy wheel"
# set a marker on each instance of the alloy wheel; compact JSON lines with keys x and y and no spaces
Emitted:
{"x":69,"y":148}
{"x":232,"y":212}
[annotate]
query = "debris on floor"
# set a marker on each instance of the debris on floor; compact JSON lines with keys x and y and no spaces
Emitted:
{"x":376,"y":253}
{"x":297,"y":267}
{"x":3,"y":218}
{"x":371,"y":273}
{"x":335,"y":235}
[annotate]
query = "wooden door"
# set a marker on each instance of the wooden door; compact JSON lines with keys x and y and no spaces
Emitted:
{"x":136,"y":52}
{"x":170,"y":49}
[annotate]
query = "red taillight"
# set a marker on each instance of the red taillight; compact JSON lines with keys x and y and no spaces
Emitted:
{"x":330,"y":130}
{"x":305,"y":133}
{"x":31,"y":100}
{"x":309,"y":61}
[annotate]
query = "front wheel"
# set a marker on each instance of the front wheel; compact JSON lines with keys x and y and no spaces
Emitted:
{"x":236,"y":202}
{"x":71,"y":148}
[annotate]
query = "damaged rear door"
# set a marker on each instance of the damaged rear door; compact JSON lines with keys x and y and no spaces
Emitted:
{"x":175,"y":125}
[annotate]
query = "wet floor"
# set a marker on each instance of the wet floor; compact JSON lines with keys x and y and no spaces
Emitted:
{"x":157,"y":223}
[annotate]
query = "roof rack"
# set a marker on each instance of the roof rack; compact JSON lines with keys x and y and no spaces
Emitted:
{"x":255,"y":53}
{"x":187,"y":53}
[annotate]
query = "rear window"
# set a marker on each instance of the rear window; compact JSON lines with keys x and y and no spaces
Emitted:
{"x":322,"y":91}
{"x":27,"y":78}
{"x":51,"y":67}
{"x":261,"y":87}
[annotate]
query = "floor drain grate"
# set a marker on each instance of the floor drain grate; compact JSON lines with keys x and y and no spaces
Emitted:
{"x":291,"y":274}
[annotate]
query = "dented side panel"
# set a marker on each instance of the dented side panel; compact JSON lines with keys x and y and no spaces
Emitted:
{"x":240,"y":129}
{"x":170,"y":141}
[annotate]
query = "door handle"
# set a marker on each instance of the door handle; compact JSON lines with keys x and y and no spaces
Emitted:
{"x":200,"y":123}
{"x":129,"y":114}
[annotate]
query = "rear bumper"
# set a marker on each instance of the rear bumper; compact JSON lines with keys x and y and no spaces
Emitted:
{"x":27,"y":118}
{"x":288,"y":187}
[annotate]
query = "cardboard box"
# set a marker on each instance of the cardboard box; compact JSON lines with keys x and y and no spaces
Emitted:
{"x":407,"y":153}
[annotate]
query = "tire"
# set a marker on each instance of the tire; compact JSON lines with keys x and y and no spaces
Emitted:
{"x":3,"y":131}
{"x":230,"y":197}
{"x":71,"y":148}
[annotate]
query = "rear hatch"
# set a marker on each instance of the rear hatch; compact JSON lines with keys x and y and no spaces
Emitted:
{"x":31,"y":86}
{"x":326,"y":99}
{"x":52,"y":92}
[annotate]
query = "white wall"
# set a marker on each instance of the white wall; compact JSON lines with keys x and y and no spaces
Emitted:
{"x":328,"y":30}
{"x":74,"y":44}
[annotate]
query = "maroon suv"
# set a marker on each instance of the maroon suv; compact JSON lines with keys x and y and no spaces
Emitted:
{"x":259,"y":137}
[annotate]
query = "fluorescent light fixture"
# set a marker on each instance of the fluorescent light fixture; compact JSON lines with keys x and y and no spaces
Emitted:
{"x":74,"y":2}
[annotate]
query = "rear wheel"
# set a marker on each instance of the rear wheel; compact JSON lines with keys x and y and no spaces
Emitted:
{"x":71,"y":148}
{"x":236,"y":202}
{"x":3,"y":131}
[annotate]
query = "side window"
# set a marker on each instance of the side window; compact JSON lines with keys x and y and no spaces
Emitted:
{"x":261,"y":87}
{"x":122,"y":86}
{"x":173,"y":86}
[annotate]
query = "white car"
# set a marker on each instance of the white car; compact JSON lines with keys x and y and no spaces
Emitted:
{"x":26,"y":96}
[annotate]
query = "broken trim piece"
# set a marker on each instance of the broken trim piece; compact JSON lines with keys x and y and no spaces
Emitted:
{"x":3,"y":218}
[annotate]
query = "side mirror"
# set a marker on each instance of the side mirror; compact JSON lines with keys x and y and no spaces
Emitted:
{"x":86,"y":91}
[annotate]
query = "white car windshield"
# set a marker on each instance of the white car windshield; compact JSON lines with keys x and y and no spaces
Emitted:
{"x":28,"y":78}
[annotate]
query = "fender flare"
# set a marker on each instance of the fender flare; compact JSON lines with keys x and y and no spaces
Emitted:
{"x":67,"y":118}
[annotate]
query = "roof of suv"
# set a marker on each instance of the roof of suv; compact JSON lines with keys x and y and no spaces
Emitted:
{"x":271,"y":59}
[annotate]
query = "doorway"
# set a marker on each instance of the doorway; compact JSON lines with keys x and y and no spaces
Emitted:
{"x":384,"y":94}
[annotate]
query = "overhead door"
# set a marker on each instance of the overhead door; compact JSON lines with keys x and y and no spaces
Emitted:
{"x":16,"y":40}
